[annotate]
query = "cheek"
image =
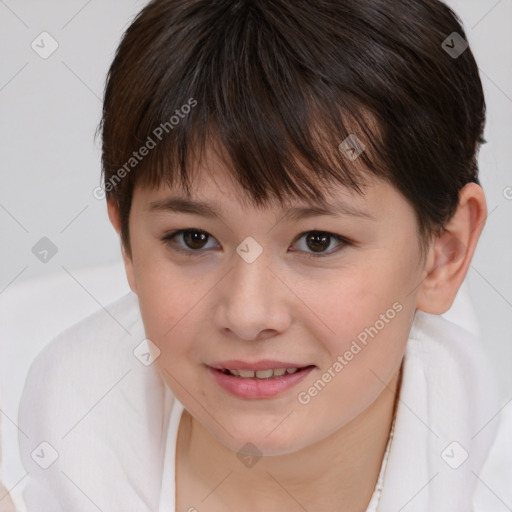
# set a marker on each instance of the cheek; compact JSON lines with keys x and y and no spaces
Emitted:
{"x":354,"y":299}
{"x":171,"y":301}
{"x":361,"y":357}
{"x":366,"y":315}
{"x":160,"y":292}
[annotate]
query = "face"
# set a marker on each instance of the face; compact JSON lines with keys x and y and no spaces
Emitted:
{"x":331,"y":294}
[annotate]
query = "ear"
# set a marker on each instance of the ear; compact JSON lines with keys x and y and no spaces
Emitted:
{"x":115,"y":219}
{"x":451,"y":253}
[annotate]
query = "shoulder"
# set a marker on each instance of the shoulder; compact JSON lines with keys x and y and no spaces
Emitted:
{"x":90,"y":406}
{"x":106,"y":330}
{"x":493,"y":489}
{"x":85,"y":357}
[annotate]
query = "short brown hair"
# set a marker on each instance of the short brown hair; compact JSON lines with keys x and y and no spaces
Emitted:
{"x":277,"y":85}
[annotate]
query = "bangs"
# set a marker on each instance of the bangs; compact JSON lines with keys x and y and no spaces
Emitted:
{"x":294,"y":97}
{"x":289,"y":158}
{"x":248,"y":96}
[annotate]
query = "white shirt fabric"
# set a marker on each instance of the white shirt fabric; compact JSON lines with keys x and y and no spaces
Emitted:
{"x":98,"y":427}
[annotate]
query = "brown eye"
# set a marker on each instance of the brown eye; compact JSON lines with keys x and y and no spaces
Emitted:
{"x":192,"y":242}
{"x":195,"y":239}
{"x":317,"y":243}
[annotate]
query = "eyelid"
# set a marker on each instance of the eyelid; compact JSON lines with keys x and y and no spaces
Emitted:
{"x":342,"y":242}
{"x":168,"y":238}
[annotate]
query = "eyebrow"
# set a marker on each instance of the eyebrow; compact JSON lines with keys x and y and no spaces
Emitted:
{"x":205,"y":209}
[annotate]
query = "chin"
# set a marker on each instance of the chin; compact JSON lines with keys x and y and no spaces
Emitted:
{"x":255,"y":442}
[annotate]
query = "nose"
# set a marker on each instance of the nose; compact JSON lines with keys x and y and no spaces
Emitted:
{"x":252,"y":302}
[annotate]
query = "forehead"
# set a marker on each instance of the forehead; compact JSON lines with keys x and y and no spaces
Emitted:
{"x":216,"y":192}
{"x":217,"y":195}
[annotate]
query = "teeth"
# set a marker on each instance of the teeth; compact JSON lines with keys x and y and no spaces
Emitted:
{"x":246,"y":374}
{"x":262,"y":374}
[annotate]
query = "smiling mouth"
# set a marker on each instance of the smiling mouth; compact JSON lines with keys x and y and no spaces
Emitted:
{"x":271,"y":373}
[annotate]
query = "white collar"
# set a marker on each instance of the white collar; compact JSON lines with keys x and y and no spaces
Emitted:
{"x":447,"y":395}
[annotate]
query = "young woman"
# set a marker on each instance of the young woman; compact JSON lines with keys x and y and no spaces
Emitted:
{"x":295,"y":185}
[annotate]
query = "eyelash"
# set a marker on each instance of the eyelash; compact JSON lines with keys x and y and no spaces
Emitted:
{"x":197,"y":253}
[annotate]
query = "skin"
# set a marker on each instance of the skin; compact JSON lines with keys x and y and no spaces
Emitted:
{"x":6,"y":504}
{"x":286,"y":306}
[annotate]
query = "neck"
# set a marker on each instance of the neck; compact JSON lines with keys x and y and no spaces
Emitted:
{"x":342,"y":468}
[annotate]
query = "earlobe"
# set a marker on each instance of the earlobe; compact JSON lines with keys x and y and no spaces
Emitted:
{"x":115,"y":219}
{"x":450,"y":254}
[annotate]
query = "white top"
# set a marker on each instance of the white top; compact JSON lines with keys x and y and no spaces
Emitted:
{"x":98,"y":428}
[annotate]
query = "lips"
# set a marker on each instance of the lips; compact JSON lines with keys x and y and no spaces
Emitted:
{"x":261,"y":374}
{"x":258,"y":387}
{"x":266,"y":364}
